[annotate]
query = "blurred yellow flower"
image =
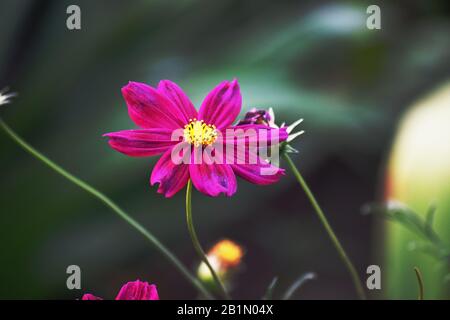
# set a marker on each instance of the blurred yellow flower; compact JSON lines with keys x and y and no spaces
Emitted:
{"x":225,"y":256}
{"x":418,"y":175}
{"x":227,"y":252}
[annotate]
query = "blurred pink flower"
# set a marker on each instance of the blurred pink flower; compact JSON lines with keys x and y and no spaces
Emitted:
{"x":134,"y":290}
{"x":162,"y":110}
{"x":88,"y":296}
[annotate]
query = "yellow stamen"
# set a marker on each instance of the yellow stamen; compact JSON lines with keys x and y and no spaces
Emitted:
{"x":198,"y":133}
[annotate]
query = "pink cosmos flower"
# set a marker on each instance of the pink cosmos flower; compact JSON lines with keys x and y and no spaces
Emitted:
{"x":161,"y":111}
{"x":135,"y":290}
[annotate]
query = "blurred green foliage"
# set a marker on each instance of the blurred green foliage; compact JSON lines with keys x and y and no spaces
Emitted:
{"x":429,"y":242}
{"x":310,"y":59}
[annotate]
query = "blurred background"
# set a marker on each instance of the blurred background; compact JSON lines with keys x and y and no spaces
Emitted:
{"x":306,"y":59}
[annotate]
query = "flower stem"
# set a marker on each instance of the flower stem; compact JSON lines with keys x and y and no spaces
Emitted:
{"x":133,"y":223}
{"x":329,"y":230}
{"x":196,"y":242}
{"x":420,"y":282}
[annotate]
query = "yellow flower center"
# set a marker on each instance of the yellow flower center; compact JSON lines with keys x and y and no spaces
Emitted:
{"x":198,"y":133}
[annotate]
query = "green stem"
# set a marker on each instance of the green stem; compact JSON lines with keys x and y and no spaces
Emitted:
{"x":420,"y":282}
{"x":331,"y":234}
{"x":196,"y":242}
{"x":133,"y":223}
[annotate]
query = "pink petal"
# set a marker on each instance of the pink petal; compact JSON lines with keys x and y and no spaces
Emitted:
{"x":254,"y":172}
{"x":213,"y":179}
{"x":138,"y":290}
{"x":148,"y":108}
{"x":263,"y":135}
{"x":88,"y":296}
{"x":141,"y":143}
{"x":222,"y":105}
{"x":249,"y":165}
{"x":174,"y":93}
{"x":170,"y":176}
